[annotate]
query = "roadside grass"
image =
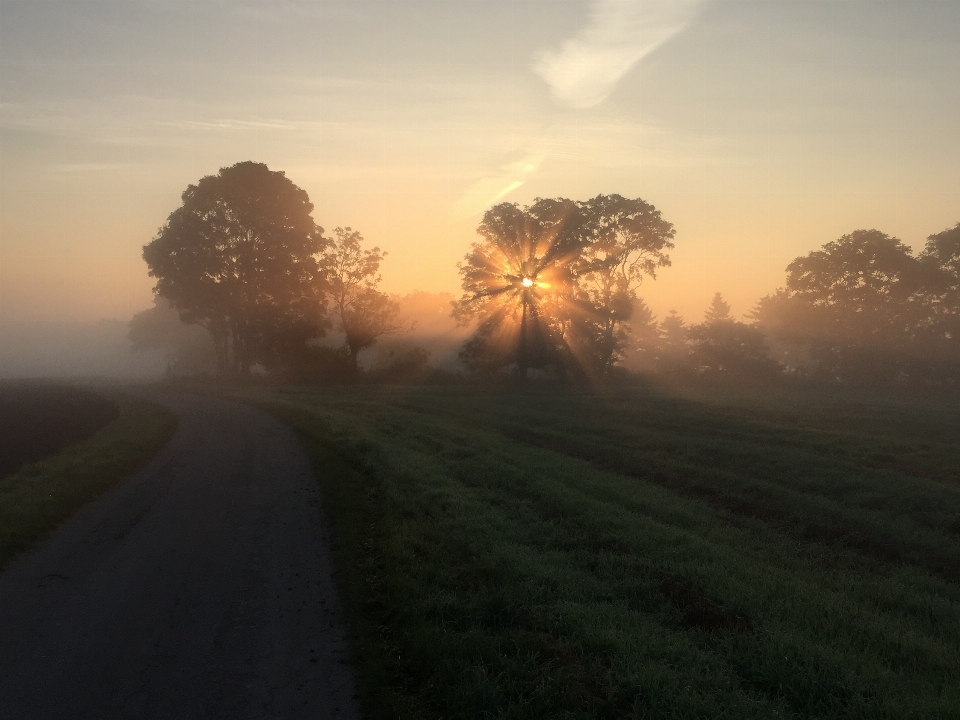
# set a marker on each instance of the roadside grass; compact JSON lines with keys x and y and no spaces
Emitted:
{"x":39,"y":496}
{"x":534,"y":553}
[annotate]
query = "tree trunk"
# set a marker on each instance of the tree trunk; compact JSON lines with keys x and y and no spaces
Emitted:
{"x":523,"y":360}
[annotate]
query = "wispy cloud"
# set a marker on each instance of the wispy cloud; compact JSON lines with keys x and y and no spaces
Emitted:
{"x":588,"y":66}
{"x":489,"y":190}
{"x":230,"y":124}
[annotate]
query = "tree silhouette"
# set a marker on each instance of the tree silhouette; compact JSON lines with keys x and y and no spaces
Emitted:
{"x":721,"y":344}
{"x":554,"y":283}
{"x":627,"y":241}
{"x":719,"y":310}
{"x":939,"y":329}
{"x":351,"y":275}
{"x":645,"y":337}
{"x":674,"y":341}
{"x":864,"y":308}
{"x":517,"y":282}
{"x":188,"y":348}
{"x":238,"y":258}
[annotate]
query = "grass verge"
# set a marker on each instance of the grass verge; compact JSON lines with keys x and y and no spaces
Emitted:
{"x":38,"y":497}
{"x":590,"y":555}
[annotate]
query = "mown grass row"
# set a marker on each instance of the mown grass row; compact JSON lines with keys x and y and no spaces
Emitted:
{"x":41,"y":495}
{"x":532,"y":555}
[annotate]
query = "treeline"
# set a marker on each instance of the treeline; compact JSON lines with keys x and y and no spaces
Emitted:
{"x":551,"y":290}
{"x":553,"y":287}
{"x":863,"y":309}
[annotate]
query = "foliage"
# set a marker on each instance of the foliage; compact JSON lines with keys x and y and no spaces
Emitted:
{"x":722,"y":345}
{"x":632,"y":554}
{"x":865,"y":309}
{"x":719,"y":311}
{"x":517,"y":282}
{"x":238,"y":258}
{"x":553,"y":284}
{"x":400,"y":365}
{"x":628,"y":241}
{"x":645,"y":338}
{"x":674,"y":348}
{"x":351,"y":275}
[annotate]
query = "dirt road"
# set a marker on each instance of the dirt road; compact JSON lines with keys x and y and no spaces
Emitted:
{"x":199,"y":588}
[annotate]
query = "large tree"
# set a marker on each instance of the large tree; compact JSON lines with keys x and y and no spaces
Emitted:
{"x":239,"y":258}
{"x":627,"y":241}
{"x":855,"y":305}
{"x":940,"y":292}
{"x":554,"y":283}
{"x":351,"y":276}
{"x":517,"y":281}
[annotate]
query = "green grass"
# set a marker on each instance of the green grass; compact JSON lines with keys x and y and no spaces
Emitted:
{"x":557,"y":554}
{"x":38,"y":497}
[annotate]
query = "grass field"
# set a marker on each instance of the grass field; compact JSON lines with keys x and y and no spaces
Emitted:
{"x":537,"y":553}
{"x":41,"y":495}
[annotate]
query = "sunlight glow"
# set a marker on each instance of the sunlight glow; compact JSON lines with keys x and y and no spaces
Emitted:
{"x":527,"y":282}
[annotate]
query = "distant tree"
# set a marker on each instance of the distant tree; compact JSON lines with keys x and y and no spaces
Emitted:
{"x":943,"y":249}
{"x":645,"y":338}
{"x":721,"y":344}
{"x":674,"y":342}
{"x":939,"y":330}
{"x":351,"y":276}
{"x":627,"y":241}
{"x":238,"y":258}
{"x":188,"y":348}
{"x":858,"y":297}
{"x":865,"y":309}
{"x":719,"y":310}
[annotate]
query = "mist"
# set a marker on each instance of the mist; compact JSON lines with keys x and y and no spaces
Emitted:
{"x":74,"y":350}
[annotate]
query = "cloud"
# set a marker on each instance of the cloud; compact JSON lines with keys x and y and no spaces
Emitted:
{"x":489,"y":190}
{"x":586,"y":69}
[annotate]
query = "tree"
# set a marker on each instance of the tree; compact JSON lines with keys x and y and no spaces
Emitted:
{"x":719,"y":310}
{"x":675,"y":341}
{"x":517,"y":281}
{"x":865,"y":309}
{"x":645,"y":338}
{"x":351,"y":275}
{"x":721,"y":344}
{"x":862,"y":287}
{"x":238,"y":258}
{"x":554,"y":283}
{"x":627,"y":241}
{"x":943,"y":249}
{"x":940,"y":292}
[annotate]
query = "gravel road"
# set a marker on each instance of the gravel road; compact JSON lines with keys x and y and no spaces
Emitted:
{"x":201,"y":587}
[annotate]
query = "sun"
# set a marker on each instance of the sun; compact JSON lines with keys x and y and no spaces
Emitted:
{"x":527,"y":282}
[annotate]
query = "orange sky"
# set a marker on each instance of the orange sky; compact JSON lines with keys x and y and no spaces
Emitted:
{"x":761,"y":130}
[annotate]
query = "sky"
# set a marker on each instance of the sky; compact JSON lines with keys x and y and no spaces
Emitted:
{"x":761,"y":129}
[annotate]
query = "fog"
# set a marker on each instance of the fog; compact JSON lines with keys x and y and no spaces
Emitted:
{"x":99,"y":349}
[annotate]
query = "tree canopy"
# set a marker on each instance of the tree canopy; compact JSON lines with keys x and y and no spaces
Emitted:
{"x":865,"y":308}
{"x":554,"y":283}
{"x":239,"y":257}
{"x":351,"y":275}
